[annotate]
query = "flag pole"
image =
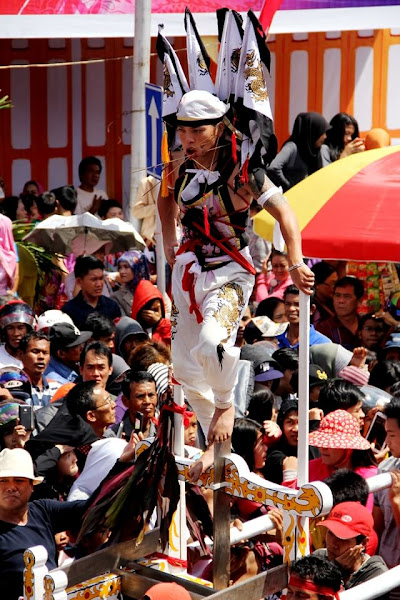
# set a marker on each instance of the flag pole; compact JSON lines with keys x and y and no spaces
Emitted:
{"x":141,"y":74}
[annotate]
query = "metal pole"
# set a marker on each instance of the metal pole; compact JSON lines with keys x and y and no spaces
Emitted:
{"x":160,"y":255}
{"x":141,"y":74}
{"x":304,"y":360}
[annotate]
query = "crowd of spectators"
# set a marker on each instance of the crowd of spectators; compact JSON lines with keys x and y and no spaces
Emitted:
{"x":82,"y":382}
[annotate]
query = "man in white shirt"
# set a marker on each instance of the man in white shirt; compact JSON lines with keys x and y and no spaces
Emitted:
{"x":88,"y":195}
{"x":16,"y":320}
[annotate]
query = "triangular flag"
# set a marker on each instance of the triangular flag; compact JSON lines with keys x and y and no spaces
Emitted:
{"x":198,"y":59}
{"x":229,"y":53}
{"x":175,"y":84}
{"x":251,"y":93}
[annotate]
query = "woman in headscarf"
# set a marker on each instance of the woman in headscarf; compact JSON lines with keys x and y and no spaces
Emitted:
{"x":300,"y":155}
{"x":132,"y":267}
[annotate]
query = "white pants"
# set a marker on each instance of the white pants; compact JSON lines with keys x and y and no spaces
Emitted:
{"x":204,"y":355}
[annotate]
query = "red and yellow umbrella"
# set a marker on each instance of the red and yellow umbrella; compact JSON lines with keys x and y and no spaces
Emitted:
{"x":349,"y":210}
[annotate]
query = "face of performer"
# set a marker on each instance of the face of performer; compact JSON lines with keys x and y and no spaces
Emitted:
{"x":199,"y":142}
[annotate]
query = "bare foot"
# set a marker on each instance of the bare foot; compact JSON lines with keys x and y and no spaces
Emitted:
{"x":206,"y":460}
{"x":221,"y":424}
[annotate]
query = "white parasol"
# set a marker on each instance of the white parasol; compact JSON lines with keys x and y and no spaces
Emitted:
{"x":65,"y":234}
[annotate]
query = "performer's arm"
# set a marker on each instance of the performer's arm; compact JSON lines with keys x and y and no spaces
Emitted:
{"x":277,"y":206}
{"x":168,"y":211}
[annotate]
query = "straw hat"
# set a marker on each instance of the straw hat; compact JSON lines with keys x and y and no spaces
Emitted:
{"x":339,"y":429}
{"x":17,"y":463}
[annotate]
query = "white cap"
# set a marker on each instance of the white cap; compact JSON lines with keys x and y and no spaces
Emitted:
{"x":200,"y":106}
{"x":51,"y":317}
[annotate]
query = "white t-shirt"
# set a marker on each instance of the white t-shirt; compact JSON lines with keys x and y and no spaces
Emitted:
{"x":85,"y":199}
{"x":6,"y":360}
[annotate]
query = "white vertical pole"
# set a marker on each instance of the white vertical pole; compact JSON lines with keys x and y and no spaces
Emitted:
{"x":180,"y":514}
{"x":141,"y":74}
{"x":302,"y":529}
{"x":160,"y":255}
{"x":304,"y":353}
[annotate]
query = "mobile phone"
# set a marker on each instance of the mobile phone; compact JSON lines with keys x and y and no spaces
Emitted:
{"x":377,"y":433}
{"x":26,"y":416}
{"x":138,"y":422}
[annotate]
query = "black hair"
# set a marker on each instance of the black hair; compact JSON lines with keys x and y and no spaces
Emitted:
{"x":244,"y":438}
{"x":100,"y":349}
{"x":289,"y":405}
{"x":28,"y":200}
{"x":106,"y":205}
{"x":319,"y":570}
{"x":100,"y":326}
{"x":339,"y":394}
{"x":385,"y":374}
{"x":362,"y":458}
{"x":135,"y":377}
{"x":267,"y":307}
{"x":147,"y":353}
{"x":261,"y":405}
{"x":84,"y":264}
{"x":370,"y":317}
{"x":32,"y":335}
{"x":80,"y":399}
{"x":347,"y":486}
{"x":322,"y":271}
{"x":46,"y":204}
{"x":66,"y":196}
{"x":392,"y":409}
{"x":9,"y":207}
{"x":335,"y":135}
{"x":287,"y":358}
{"x":276,"y":252}
{"x":85,"y":163}
{"x":355,"y":283}
{"x":292,"y":289}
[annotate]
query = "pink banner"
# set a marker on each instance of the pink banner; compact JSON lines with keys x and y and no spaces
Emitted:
{"x":84,"y":7}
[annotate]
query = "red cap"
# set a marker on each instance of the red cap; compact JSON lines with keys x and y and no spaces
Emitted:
{"x":349,"y":519}
{"x":168,"y":591}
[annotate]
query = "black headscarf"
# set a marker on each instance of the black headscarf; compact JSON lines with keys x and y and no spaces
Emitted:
{"x":307,"y":128}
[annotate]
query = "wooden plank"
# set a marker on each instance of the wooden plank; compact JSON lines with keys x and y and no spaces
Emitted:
{"x":222,"y":513}
{"x":142,"y":578}
{"x":261,"y":585}
{"x":109,"y":559}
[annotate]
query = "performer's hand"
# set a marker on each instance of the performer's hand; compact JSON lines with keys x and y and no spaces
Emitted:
{"x":169,"y":250}
{"x":303,"y":279}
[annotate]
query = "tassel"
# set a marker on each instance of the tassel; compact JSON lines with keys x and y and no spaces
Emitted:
{"x":244,"y":175}
{"x":165,"y":160}
{"x":234,"y":142}
{"x":206,"y":221}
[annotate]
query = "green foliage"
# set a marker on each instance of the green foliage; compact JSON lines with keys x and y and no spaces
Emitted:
{"x":35,"y":263}
{"x":5,"y":102}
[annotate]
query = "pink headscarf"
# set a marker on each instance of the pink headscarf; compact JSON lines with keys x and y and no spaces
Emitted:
{"x":8,"y":257}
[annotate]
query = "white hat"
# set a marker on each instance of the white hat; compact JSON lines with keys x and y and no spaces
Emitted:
{"x":51,"y":317}
{"x":199,"y":106}
{"x":17,"y":463}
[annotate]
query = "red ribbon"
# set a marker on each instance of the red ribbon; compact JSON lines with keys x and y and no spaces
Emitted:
{"x":180,"y":410}
{"x":171,"y":560}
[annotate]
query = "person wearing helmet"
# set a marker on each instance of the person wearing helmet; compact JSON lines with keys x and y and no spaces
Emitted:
{"x":16,"y":320}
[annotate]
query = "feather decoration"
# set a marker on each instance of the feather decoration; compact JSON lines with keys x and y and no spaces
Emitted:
{"x":127,"y":501}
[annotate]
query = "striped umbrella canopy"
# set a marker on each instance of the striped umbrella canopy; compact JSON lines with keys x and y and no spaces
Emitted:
{"x":349,"y":210}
